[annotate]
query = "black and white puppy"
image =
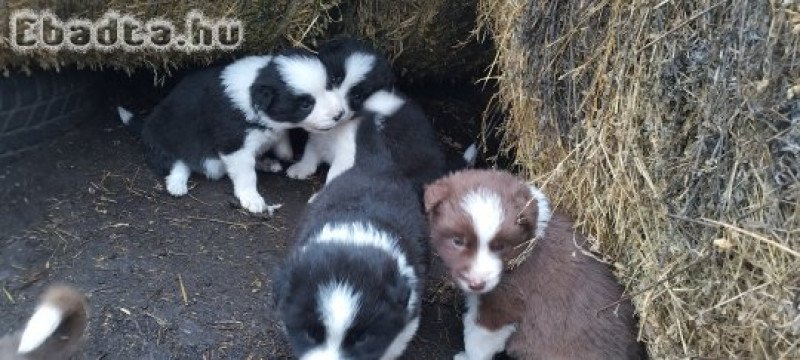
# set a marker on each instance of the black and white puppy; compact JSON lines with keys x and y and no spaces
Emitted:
{"x":218,"y":120}
{"x":356,"y":71}
{"x":351,"y":287}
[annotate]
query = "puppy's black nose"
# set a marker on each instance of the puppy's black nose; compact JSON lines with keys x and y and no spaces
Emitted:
{"x":338,"y":116}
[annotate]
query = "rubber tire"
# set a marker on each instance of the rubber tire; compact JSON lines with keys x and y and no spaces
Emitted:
{"x":39,"y":107}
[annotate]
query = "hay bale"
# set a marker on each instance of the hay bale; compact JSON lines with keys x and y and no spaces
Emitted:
{"x":428,"y":40}
{"x":672,"y":130}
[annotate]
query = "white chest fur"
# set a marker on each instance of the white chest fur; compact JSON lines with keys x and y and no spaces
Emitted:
{"x":336,"y":147}
{"x":481,"y":343}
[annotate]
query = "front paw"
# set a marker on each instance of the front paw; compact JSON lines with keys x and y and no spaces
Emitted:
{"x":461,"y":356}
{"x":300,"y":171}
{"x":269,"y":165}
{"x":177,"y":187}
{"x":284,"y":152}
{"x":252,"y":202}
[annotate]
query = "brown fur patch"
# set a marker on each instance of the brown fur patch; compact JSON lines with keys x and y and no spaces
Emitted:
{"x":554,"y":295}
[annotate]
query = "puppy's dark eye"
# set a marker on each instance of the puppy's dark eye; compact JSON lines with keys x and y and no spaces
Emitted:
{"x":356,"y":338}
{"x":306,"y":103}
{"x":459,"y":242}
{"x":357,"y":96}
{"x":497,"y":246}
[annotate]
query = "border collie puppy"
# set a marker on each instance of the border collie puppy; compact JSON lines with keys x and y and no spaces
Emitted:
{"x":356,"y":71}
{"x":553,"y":305}
{"x":54,"y":331}
{"x":218,"y":120}
{"x":351,"y":288}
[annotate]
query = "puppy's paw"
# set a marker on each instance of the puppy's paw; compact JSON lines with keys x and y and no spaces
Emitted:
{"x":300,"y":171}
{"x":177,"y":187}
{"x":272,"y":208}
{"x":284,"y":152}
{"x":461,"y":356}
{"x":252,"y":202}
{"x":213,"y":169}
{"x":269,"y":165}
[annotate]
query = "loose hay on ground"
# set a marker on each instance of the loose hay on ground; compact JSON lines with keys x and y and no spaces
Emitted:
{"x":666,"y":129}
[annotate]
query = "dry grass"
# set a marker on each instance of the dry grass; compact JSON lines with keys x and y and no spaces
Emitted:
{"x":675,"y":128}
{"x":426,"y":39}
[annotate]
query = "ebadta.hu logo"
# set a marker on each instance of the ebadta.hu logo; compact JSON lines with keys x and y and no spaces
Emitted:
{"x":36,"y":30}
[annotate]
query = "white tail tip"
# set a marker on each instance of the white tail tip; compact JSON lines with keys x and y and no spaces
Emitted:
{"x":471,"y":154}
{"x":124,"y":115}
{"x":41,"y":325}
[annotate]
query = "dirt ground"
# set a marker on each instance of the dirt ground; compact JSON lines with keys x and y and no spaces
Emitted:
{"x":167,"y":278}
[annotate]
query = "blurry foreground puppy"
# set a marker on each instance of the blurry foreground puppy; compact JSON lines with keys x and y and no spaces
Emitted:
{"x":54,"y":331}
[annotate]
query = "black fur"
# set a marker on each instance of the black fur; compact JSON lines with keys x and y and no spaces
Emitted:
{"x":334,"y":54}
{"x":194,"y":122}
{"x":412,"y":143}
{"x":376,"y":191}
{"x":371,"y":272}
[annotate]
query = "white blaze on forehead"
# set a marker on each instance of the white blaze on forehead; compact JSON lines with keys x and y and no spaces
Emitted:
{"x":361,"y":234}
{"x":338,"y":305}
{"x":356,"y":68}
{"x":41,"y":325}
{"x":486,"y":212}
{"x":384,"y":103}
{"x":238,"y":77}
{"x":303,"y":74}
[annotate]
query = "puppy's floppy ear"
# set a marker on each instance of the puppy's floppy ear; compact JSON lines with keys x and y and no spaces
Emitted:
{"x":385,"y":75}
{"x":435,"y":193}
{"x":262,"y":96}
{"x":399,"y":291}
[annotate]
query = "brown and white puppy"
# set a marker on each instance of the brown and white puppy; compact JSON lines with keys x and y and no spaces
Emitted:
{"x":551,"y":306}
{"x":54,"y":331}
